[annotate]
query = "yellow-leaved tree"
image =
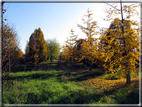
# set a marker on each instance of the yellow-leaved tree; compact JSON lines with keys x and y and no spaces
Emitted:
{"x":120,"y":43}
{"x":69,"y":49}
{"x":88,"y":47}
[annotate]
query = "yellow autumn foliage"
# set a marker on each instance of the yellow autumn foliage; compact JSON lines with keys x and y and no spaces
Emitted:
{"x":69,"y":48}
{"x":121,"y":48}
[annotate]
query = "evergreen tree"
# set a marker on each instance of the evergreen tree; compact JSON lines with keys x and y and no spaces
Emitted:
{"x":36,"y":49}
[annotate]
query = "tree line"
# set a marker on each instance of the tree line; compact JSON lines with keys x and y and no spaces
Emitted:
{"x":37,"y":49}
{"x":117,"y":48}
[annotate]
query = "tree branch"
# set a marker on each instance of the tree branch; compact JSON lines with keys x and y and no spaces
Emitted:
{"x":112,"y":6}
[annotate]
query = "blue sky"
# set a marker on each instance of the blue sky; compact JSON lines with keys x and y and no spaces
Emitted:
{"x":55,"y":19}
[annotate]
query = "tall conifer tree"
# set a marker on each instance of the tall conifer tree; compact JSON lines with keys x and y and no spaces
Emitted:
{"x":37,"y":51}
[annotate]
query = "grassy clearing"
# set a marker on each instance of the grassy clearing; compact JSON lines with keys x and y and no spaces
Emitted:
{"x":68,"y":86}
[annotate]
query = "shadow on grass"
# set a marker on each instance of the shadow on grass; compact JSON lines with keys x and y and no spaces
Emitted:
{"x":84,"y":97}
{"x":70,"y":70}
{"x":81,"y":76}
{"x":30,"y":76}
{"x":58,"y":65}
{"x":80,"y":97}
{"x":121,"y":94}
{"x":131,"y":98}
{"x":40,"y":67}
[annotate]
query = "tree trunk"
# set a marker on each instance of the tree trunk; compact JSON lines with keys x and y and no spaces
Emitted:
{"x":9,"y":61}
{"x":128,"y":77}
{"x":51,"y":58}
{"x":70,"y":59}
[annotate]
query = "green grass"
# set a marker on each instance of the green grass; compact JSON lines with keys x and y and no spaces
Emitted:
{"x":48,"y":90}
{"x":67,"y":86}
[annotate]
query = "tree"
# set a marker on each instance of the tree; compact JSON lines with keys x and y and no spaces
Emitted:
{"x":80,"y":44}
{"x":115,"y":27}
{"x":10,"y":47}
{"x":27,"y":57}
{"x":36,"y":49}
{"x":20,"y":55}
{"x":121,"y":40}
{"x":53,"y":49}
{"x":69,"y":49}
{"x":83,"y":52}
{"x":89,"y":30}
{"x":11,"y":53}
